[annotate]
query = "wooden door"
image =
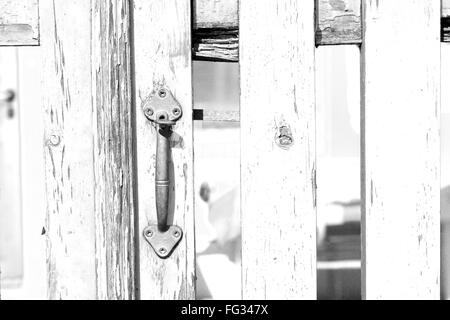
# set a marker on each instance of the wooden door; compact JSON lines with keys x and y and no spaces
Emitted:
{"x":100,"y":146}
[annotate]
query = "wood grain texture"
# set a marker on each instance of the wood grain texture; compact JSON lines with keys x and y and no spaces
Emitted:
{"x":401,"y":149}
{"x":211,"y":14}
{"x":216,"y":44}
{"x":113,"y":150}
{"x":19,"y":22}
{"x":162,"y":50}
{"x":278,"y":163}
{"x":67,"y":100}
{"x":339,"y":22}
{"x":216,"y":30}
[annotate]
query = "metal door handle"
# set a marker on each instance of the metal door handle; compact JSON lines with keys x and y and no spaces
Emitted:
{"x":162,"y":183}
{"x":163,"y":110}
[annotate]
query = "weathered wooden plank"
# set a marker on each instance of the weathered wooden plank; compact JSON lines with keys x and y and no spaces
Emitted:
{"x":67,"y":95}
{"x":445,"y":21}
{"x":162,"y":50}
{"x":339,"y":22}
{"x":216,"y":44}
{"x":278,"y":163}
{"x":113,"y":152}
{"x":19,"y":22}
{"x":401,"y":149}
{"x":216,"y":30}
{"x":216,"y":14}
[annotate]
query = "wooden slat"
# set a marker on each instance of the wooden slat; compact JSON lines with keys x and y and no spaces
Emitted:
{"x":339,"y":22}
{"x":401,"y":149}
{"x":278,"y":163}
{"x":216,"y":14}
{"x":19,"y":22}
{"x":162,"y":50}
{"x":88,"y":142}
{"x":113,"y":153}
{"x":66,"y":93}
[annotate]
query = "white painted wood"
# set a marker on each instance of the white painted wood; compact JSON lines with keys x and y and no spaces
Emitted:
{"x":216,"y":13}
{"x":68,"y":146}
{"x":113,"y":150}
{"x":401,"y":168}
{"x":19,"y":22}
{"x":278,"y":197}
{"x":339,"y":22}
{"x":162,"y":51}
{"x":88,"y":148}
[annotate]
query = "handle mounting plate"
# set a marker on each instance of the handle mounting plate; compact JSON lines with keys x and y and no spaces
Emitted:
{"x":163,"y":242}
{"x":162,"y":108}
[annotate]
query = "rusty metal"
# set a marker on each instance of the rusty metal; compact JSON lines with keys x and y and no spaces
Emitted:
{"x":164,"y":110}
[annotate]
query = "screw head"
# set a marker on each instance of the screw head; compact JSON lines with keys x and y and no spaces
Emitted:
{"x":162,"y":93}
{"x":176,"y":234}
{"x":163,"y":251}
{"x":149,"y":112}
{"x":176,"y":111}
{"x":149,"y":233}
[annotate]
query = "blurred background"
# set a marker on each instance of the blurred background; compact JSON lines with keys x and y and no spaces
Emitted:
{"x":217,"y":167}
